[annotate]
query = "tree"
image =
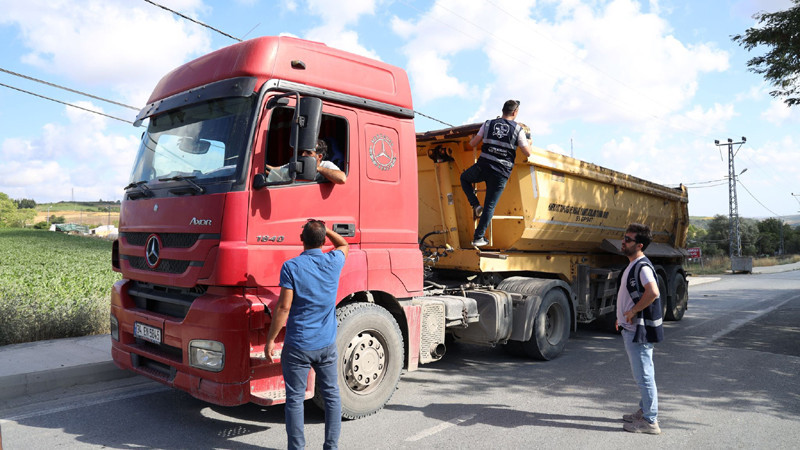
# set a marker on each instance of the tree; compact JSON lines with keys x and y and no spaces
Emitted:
{"x":779,"y":65}
{"x":26,"y":203}
{"x":10,"y":215}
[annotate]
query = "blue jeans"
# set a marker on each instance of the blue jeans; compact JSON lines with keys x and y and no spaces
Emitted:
{"x":644,"y":373}
{"x":495,"y":183}
{"x":296,"y":363}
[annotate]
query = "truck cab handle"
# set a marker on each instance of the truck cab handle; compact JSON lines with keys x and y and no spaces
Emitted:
{"x":345,"y":229}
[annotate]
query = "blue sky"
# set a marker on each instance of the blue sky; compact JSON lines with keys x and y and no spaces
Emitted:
{"x":643,"y":87}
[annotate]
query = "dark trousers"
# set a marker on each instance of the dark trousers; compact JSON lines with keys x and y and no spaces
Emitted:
{"x":296,"y":363}
{"x":495,"y":184}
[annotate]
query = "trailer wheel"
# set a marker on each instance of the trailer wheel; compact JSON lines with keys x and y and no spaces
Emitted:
{"x":550,"y":328}
{"x":679,"y":298}
{"x":370,"y":348}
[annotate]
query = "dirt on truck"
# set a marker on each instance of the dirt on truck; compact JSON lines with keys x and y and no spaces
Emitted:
{"x":204,"y":230}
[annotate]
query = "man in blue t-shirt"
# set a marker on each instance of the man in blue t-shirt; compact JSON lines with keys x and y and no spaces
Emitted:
{"x":307,"y":307}
{"x":500,"y":137}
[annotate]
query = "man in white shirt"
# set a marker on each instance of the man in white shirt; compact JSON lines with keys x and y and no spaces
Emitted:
{"x":639,"y":316}
{"x":326,"y":170}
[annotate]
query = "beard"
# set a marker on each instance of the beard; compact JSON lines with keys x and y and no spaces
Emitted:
{"x":628,"y":250}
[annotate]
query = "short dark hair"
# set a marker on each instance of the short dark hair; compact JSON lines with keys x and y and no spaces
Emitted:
{"x":510,"y":106}
{"x":643,"y":234}
{"x":322,"y":148}
{"x":313,"y":235}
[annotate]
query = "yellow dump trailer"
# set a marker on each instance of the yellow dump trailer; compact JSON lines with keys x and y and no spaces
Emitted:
{"x":557,"y":226}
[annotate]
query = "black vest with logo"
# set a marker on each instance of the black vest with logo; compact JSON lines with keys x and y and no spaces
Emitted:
{"x":499,"y":148}
{"x":649,"y":321}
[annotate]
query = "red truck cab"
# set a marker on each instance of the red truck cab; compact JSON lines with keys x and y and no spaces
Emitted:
{"x":203,"y":231}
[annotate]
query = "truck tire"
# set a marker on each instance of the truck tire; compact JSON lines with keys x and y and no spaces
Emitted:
{"x":679,"y":298}
{"x":662,"y":292}
{"x":370,"y":348}
{"x":550,"y":328}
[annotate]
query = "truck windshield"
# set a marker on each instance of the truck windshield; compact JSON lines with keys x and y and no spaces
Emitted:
{"x":206,"y":142}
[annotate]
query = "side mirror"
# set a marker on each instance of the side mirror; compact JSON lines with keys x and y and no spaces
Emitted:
{"x":259,"y":181}
{"x":306,"y":168}
{"x":310,"y":115}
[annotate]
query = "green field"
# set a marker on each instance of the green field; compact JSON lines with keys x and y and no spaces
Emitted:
{"x":53,"y":285}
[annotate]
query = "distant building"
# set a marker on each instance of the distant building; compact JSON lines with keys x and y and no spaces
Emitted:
{"x":108,"y":231}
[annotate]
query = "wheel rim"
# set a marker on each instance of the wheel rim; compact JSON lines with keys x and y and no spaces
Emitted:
{"x":364,"y":363}
{"x":554,"y":324}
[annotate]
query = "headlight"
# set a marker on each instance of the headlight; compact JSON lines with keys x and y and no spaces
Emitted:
{"x":207,"y":355}
{"x":114,"y":328}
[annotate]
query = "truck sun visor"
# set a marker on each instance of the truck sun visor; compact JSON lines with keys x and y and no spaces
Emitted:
{"x":233,"y":87}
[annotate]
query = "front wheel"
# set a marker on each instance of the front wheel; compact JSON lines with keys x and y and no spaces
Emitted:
{"x":550,"y":328}
{"x":370,"y":348}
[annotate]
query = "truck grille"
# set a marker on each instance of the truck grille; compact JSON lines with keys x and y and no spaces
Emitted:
{"x":173,"y":240}
{"x":169,"y":301}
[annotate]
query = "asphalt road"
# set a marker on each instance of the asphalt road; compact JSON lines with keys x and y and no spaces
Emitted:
{"x":728,"y":377}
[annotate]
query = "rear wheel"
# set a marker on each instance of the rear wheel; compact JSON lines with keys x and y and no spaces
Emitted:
{"x":662,"y":292}
{"x":370,"y":348}
{"x":679,"y":298}
{"x":550,"y":328}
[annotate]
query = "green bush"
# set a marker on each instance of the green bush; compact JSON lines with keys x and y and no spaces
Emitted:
{"x":53,"y":285}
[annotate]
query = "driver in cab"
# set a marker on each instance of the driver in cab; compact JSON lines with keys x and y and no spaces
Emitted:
{"x":326,"y":170}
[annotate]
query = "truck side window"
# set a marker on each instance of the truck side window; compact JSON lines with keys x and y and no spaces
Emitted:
{"x":333,"y":130}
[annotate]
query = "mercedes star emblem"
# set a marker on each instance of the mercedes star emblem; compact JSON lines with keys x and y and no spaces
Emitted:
{"x":152,"y":250}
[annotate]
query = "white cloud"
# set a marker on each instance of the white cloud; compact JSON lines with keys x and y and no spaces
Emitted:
{"x":581,"y":64}
{"x":107,"y":42}
{"x":700,"y":121}
{"x":778,"y":113}
{"x":336,"y":18}
{"x":81,"y":156}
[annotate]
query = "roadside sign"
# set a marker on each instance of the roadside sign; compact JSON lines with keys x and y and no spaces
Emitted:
{"x":694,"y":252}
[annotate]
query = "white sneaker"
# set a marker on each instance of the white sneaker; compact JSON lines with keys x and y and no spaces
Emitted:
{"x":480,"y":242}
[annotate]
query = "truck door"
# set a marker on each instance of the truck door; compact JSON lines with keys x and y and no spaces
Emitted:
{"x":277,"y":212}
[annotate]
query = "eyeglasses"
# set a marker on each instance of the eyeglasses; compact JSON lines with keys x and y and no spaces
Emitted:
{"x":316,"y":220}
{"x":628,"y":239}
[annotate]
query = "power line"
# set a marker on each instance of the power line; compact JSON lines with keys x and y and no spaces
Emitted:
{"x":195,"y":21}
{"x":65,"y":103}
{"x":225,"y":34}
{"x":757,"y":200}
{"x":433,"y":118}
{"x":706,"y":182}
{"x":68,"y":89}
{"x":709,"y":186}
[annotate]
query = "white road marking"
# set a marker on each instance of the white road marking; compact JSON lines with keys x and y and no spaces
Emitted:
{"x":441,"y":427}
{"x":748,"y":318}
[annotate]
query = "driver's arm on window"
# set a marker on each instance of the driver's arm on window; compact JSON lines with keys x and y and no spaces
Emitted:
{"x":333,"y":175}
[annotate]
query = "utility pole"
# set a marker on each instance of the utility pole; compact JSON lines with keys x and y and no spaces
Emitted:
{"x":734,"y":238}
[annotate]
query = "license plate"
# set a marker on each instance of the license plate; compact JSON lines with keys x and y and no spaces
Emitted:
{"x":146,"y":332}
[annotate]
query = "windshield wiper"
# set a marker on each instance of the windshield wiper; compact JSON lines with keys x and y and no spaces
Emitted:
{"x":141,"y":190}
{"x":192,"y":185}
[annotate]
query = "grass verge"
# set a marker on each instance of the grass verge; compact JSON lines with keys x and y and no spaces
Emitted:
{"x":721,"y":264}
{"x":53,"y":285}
